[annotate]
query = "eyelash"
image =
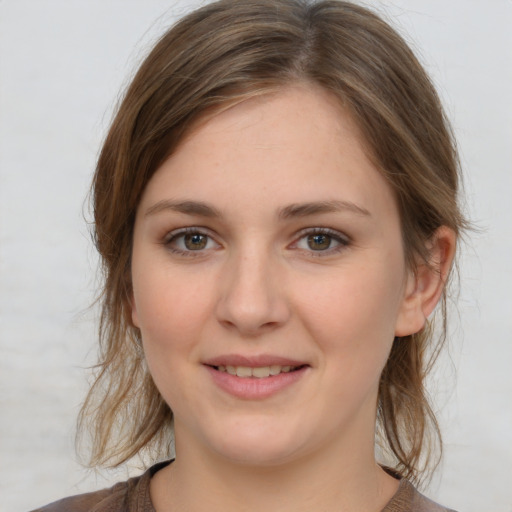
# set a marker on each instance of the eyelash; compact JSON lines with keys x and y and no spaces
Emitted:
{"x":342,"y":241}
{"x":173,"y":236}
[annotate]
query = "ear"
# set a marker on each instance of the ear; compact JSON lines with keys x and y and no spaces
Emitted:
{"x":424,"y":285}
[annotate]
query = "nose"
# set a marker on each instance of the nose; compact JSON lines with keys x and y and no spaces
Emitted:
{"x":253,"y":297}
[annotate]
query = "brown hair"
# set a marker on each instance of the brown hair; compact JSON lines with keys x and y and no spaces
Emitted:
{"x":223,"y":53}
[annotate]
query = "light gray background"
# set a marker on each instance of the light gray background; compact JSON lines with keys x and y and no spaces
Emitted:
{"x":62,"y":63}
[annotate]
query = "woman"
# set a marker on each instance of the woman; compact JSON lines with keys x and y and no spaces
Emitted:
{"x":276,"y":212}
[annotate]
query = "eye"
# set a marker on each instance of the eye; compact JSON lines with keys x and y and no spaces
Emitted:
{"x":322,"y":240}
{"x":195,"y":242}
{"x":186,"y":241}
{"x":319,"y":241}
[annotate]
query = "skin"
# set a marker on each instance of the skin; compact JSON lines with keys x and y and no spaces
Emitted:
{"x":253,"y":283}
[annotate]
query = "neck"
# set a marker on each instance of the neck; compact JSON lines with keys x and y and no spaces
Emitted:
{"x":330,"y":479}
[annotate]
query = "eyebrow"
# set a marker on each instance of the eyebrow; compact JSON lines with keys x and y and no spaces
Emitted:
{"x":318,"y":207}
{"x":187,"y":207}
{"x":291,"y":211}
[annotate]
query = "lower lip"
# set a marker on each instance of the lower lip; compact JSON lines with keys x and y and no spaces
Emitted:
{"x":252,"y":388}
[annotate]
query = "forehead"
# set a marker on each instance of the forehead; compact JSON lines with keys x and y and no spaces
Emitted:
{"x":297,"y":144}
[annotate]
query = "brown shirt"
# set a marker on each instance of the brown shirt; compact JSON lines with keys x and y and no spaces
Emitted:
{"x":133,"y":496}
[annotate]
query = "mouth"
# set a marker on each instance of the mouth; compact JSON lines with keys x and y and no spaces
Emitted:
{"x":255,"y":377}
{"x":257,"y":372}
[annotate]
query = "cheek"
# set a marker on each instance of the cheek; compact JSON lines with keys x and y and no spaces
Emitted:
{"x":171,"y":315}
{"x":353,"y":313}
{"x":171,"y":310}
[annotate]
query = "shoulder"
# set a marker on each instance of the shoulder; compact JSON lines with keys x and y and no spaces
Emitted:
{"x":106,"y":499}
{"x":408,"y":499}
{"x":131,"y":495}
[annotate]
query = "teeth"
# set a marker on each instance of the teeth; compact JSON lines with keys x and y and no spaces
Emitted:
{"x":275,"y":369}
{"x":243,"y":371}
{"x":264,"y":371}
{"x":259,"y":372}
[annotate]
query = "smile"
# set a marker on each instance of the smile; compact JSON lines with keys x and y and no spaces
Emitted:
{"x":258,"y":372}
{"x":255,"y":378}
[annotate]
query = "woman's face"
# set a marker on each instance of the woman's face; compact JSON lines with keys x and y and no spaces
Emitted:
{"x":269,"y":281}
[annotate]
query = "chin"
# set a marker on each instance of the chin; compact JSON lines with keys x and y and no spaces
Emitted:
{"x":258,"y":456}
{"x":259,"y":446}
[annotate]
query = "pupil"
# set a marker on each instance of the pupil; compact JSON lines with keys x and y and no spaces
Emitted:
{"x":319,"y":242}
{"x":195,"y":241}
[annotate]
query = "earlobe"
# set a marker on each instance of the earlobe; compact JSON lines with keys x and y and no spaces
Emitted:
{"x":426,"y":283}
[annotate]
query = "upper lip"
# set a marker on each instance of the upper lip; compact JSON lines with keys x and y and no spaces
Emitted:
{"x":252,"y":361}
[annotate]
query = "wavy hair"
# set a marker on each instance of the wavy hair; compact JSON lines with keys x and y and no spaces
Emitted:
{"x":224,"y":53}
